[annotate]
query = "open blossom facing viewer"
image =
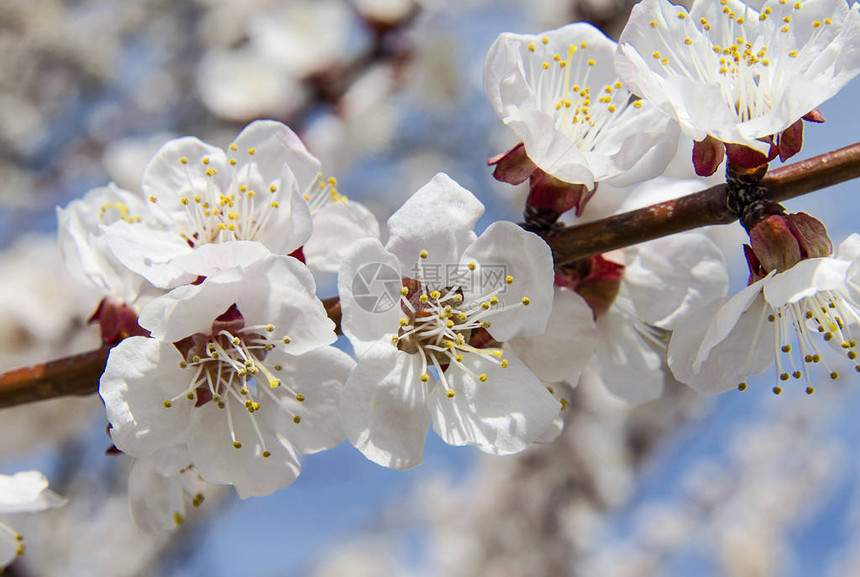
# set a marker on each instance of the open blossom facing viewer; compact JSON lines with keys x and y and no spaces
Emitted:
{"x":579,"y":123}
{"x":737,"y":74}
{"x":425,"y":313}
{"x":266,"y":187}
{"x":23,"y":492}
{"x":238,"y":368}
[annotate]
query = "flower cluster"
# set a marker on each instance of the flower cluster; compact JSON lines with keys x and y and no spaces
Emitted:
{"x":224,"y":367}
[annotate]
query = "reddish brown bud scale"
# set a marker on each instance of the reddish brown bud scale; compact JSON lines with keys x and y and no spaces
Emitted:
{"x":513,"y":166}
{"x":708,"y":154}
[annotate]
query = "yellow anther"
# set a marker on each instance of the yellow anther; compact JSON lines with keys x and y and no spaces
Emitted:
{"x":404,"y":291}
{"x":526,"y":301}
{"x":423,"y":299}
{"x":252,"y":150}
{"x":793,"y":53}
{"x":167,"y":404}
{"x":297,"y":419}
{"x":237,"y":445}
{"x":504,"y":363}
{"x":785,"y":28}
{"x":482,"y":377}
{"x":742,"y":387}
{"x":531,"y":47}
{"x":591,"y":62}
{"x":787,"y":19}
{"x":274,"y":204}
{"x":205,"y":160}
{"x":777,"y":390}
{"x":545,"y":65}
{"x":450,"y":393}
{"x":458,"y":358}
{"x":816,"y":23}
{"x":300,"y":398}
{"x":681,"y":15}
{"x":183,"y":160}
{"x":611,"y":107}
{"x":152,"y":199}
{"x":653,"y":24}
{"x":545,"y":40}
{"x":485,"y":305}
{"x":435,"y":295}
{"x":274,"y":383}
{"x":423,"y":253}
{"x":637,"y":104}
{"x":688,"y":41}
{"x":425,"y":377}
{"x":266,"y":454}
{"x":178,"y":519}
{"x":828,"y":21}
{"x":232,"y":162}
{"x":834,"y":375}
{"x":449,"y":324}
{"x":189,"y":395}
{"x":494,"y":301}
{"x":472,"y":265}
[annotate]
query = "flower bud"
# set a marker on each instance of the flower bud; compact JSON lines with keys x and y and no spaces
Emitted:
{"x":780,"y":241}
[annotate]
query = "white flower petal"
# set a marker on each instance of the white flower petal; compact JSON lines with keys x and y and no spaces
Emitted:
{"x":149,"y":252}
{"x":384,"y":407}
{"x":668,"y":277}
{"x":319,"y":375}
{"x":27,"y":491}
{"x":505,"y":249}
{"x":253,"y":475}
{"x":629,"y":367}
{"x":570,"y":340}
{"x":439,"y":218}
{"x":141,"y":373}
{"x":747,"y":349}
{"x":337,"y":227}
{"x":369,"y":285}
{"x":502,"y":415}
{"x":277,"y":145}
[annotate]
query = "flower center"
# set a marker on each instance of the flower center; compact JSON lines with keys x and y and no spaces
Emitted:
{"x":228,"y":367}
{"x":241,"y":208}
{"x":733,"y":52}
{"x":825,"y":315}
{"x":561,"y":85}
{"x":442,"y":325}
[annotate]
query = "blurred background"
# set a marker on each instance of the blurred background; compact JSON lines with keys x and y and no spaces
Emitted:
{"x":386,"y":93}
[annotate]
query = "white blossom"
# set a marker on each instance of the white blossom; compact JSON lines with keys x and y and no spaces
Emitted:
{"x":421,"y":314}
{"x":559,"y":93}
{"x":265,"y":187}
{"x":238,"y":368}
{"x":737,"y":73}
{"x":785,"y":318}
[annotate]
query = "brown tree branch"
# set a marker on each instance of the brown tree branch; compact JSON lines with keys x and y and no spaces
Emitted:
{"x":79,"y":374}
{"x":700,"y":209}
